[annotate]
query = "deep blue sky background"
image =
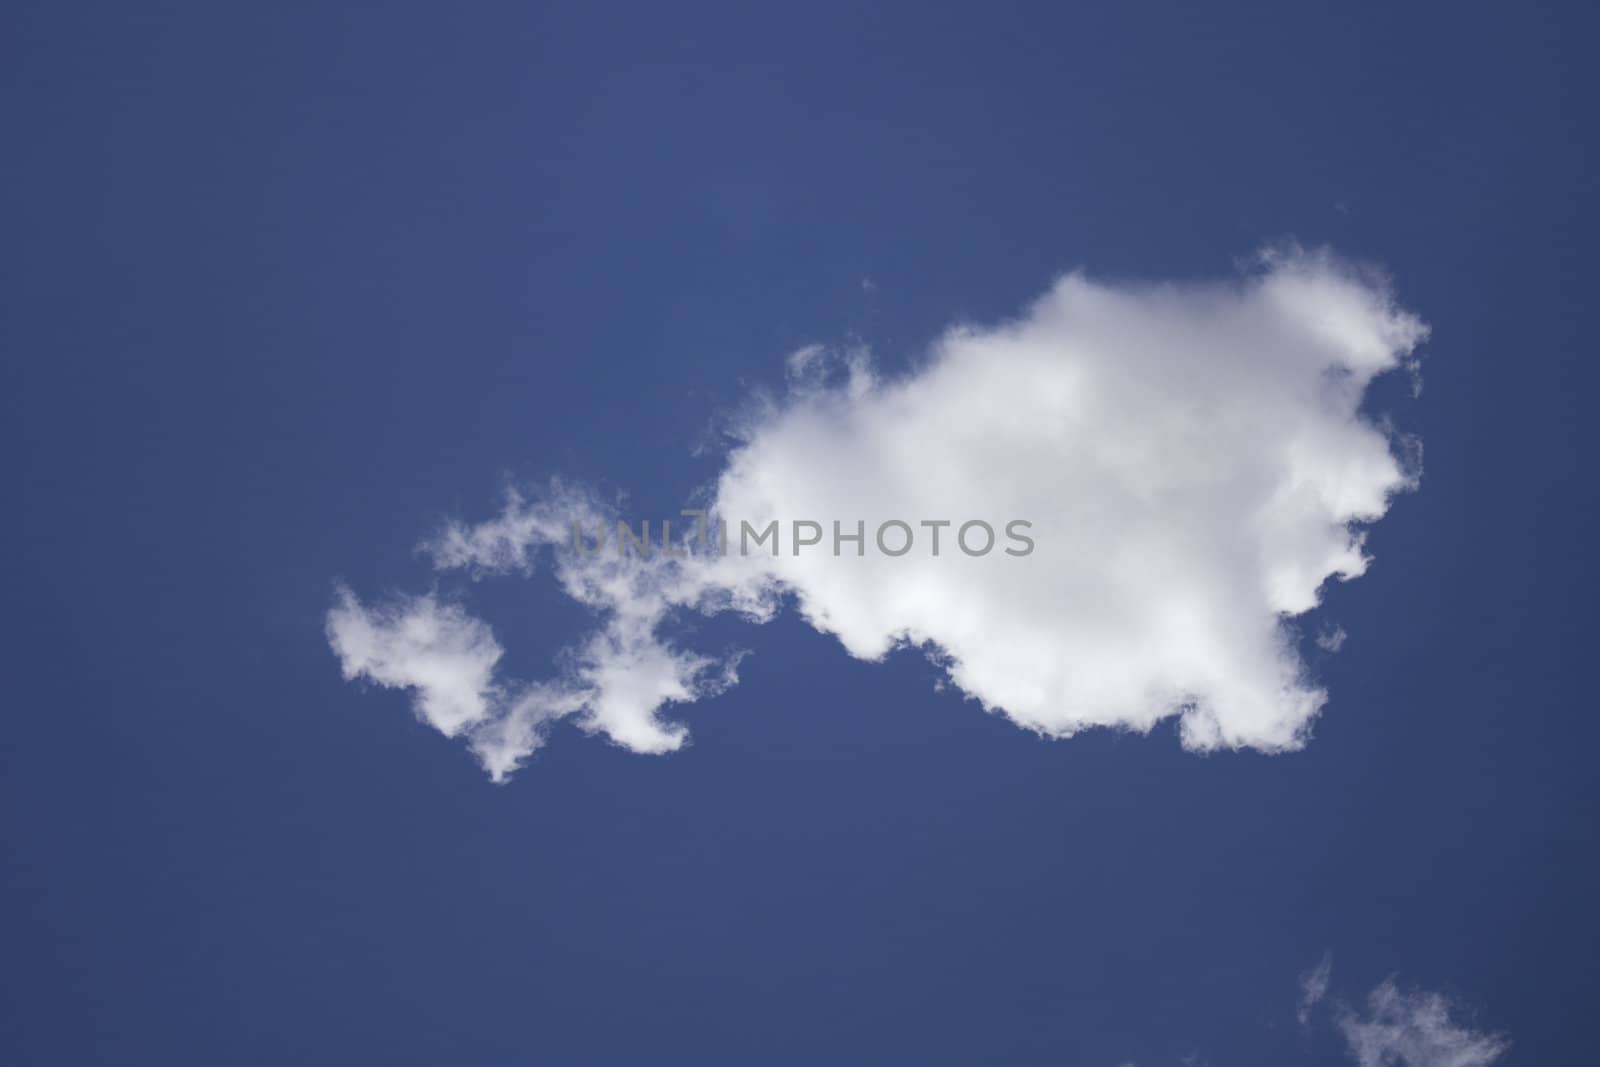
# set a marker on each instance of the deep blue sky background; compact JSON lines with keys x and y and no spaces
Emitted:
{"x":287,"y":284}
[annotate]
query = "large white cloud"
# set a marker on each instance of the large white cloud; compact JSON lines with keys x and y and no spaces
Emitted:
{"x":1192,"y":459}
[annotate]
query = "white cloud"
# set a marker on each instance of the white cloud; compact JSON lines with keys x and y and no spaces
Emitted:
{"x":1416,"y":1029}
{"x":1314,"y":986}
{"x":614,"y":682}
{"x":1332,"y":638}
{"x":435,"y":649}
{"x":1397,"y":1028}
{"x":1192,"y":459}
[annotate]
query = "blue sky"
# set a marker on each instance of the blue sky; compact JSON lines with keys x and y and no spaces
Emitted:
{"x":295,"y":287}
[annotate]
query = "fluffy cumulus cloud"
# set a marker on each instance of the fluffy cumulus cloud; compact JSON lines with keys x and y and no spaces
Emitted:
{"x":1106,"y":512}
{"x":438,"y":651}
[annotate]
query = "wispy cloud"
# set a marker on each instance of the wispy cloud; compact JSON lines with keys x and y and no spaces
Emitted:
{"x":1416,"y":1029}
{"x":1331,"y":639}
{"x":1393,"y":1028}
{"x":1314,"y":986}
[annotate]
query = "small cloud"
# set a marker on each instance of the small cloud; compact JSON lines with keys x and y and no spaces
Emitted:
{"x":1332,"y":638}
{"x":1314,"y":986}
{"x":1416,"y":1029}
{"x":443,"y":655}
{"x":803,"y":361}
{"x":1397,"y":1028}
